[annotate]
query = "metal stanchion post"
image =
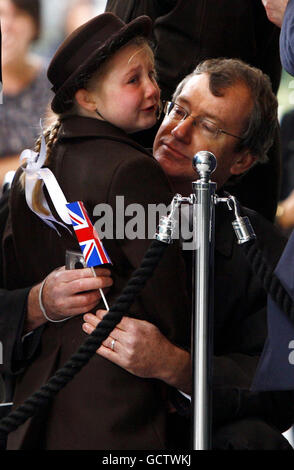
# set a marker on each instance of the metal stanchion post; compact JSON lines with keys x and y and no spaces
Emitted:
{"x":202,"y":323}
{"x":203,"y":201}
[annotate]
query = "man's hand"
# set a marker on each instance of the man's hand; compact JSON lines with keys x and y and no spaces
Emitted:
{"x":275,"y":10}
{"x":66,"y":293}
{"x":285,"y":212}
{"x":140,"y":348}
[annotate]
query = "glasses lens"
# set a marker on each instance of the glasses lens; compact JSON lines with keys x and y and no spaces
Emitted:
{"x":208,"y":128}
{"x":174,"y":111}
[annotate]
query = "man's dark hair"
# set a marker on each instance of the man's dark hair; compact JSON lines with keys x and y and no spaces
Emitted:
{"x":259,"y":127}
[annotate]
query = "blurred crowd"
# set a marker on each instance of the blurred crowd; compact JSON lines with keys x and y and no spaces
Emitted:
{"x":31,"y":31}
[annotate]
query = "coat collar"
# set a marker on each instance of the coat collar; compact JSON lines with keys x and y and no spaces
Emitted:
{"x":85,"y":127}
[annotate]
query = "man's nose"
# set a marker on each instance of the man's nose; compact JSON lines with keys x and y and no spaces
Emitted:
{"x":183,"y":130}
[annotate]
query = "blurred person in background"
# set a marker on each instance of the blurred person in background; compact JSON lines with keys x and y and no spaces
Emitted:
{"x":275,"y":10}
{"x":60,"y":18}
{"x":26,"y":90}
{"x":287,"y":141}
{"x":0,"y":63}
{"x":281,"y":13}
{"x":78,"y":12}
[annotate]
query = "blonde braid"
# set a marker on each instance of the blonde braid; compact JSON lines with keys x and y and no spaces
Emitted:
{"x":50,"y":135}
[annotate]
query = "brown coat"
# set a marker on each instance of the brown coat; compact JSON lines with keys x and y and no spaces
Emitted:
{"x":104,"y":407}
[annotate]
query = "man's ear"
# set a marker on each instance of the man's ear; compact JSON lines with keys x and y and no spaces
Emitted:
{"x":85,"y":99}
{"x":243,"y":162}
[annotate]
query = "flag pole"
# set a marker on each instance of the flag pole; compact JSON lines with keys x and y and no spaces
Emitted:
{"x":94,"y":253}
{"x":101,"y":291}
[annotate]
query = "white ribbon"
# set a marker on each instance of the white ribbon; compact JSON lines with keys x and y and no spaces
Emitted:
{"x":34,"y":172}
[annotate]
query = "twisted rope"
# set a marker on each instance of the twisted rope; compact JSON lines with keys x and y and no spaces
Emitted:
{"x":81,"y":357}
{"x":268,"y":279}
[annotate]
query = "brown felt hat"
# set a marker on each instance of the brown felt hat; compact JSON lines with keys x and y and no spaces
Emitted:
{"x":85,"y":49}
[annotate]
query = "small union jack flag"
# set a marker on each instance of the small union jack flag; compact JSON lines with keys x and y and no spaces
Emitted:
{"x":93,"y":251}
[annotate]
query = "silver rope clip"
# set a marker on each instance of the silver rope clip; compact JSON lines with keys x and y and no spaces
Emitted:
{"x":242,"y":225}
{"x":167,"y":224}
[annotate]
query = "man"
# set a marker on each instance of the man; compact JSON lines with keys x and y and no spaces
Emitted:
{"x":185,"y":33}
{"x":226,"y":94}
{"x":229,"y":109}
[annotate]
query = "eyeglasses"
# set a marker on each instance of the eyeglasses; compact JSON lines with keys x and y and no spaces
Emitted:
{"x":177,"y":113}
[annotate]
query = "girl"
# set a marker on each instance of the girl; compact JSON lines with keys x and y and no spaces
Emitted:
{"x":104,"y":83}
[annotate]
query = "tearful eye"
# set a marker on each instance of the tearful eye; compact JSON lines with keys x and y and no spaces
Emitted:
{"x":134,"y":79}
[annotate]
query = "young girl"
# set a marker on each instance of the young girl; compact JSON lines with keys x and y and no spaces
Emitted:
{"x":105,"y":89}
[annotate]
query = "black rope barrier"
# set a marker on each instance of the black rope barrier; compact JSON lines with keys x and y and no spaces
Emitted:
{"x":81,"y":357}
{"x":268,"y":278}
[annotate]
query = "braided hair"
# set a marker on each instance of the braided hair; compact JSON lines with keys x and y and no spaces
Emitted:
{"x":50,"y":135}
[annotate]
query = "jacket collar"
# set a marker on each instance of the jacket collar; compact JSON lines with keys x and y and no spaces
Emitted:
{"x":85,"y":127}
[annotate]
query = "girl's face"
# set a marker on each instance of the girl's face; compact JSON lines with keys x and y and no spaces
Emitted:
{"x":18,"y":31}
{"x":127,"y":94}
